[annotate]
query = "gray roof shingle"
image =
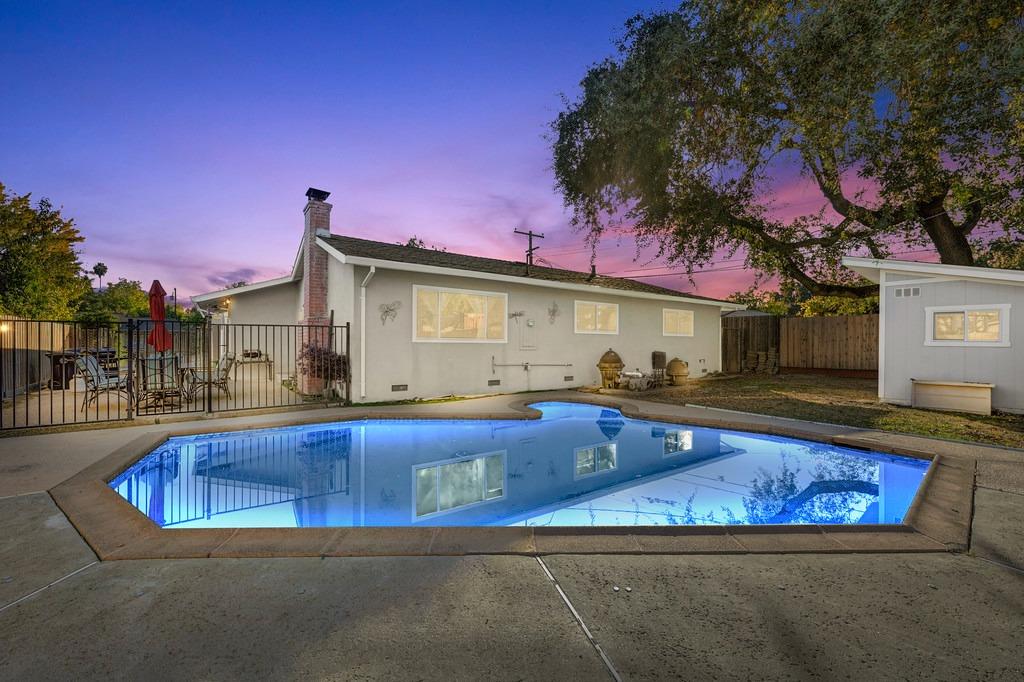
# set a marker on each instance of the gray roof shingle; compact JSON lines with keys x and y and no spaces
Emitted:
{"x":365,"y":248}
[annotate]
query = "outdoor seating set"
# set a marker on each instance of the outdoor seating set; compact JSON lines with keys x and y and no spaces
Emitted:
{"x":160,"y":379}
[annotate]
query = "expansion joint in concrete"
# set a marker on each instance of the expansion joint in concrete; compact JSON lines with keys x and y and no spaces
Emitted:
{"x":579,"y":621}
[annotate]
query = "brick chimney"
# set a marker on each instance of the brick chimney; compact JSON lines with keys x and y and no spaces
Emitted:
{"x":314,"y":281}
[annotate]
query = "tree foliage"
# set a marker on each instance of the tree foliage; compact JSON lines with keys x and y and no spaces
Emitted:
{"x":40,"y":274}
{"x":794,"y":300}
{"x":904,"y":114}
{"x":123,"y":298}
{"x":1004,"y":253}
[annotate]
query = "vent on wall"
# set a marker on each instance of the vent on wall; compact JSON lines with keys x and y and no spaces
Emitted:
{"x":399,"y":387}
{"x":907,"y":292}
{"x":567,"y":377}
{"x":494,"y":382}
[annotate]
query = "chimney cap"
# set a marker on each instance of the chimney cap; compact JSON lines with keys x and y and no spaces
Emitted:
{"x":315,"y":194}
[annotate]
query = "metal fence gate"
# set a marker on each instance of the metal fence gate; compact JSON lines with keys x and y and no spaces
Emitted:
{"x":56,"y":372}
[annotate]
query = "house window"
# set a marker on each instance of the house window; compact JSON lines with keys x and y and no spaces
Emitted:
{"x":457,"y":315}
{"x":676,"y":322}
{"x":678,"y":441}
{"x":597,"y":318}
{"x":462,"y":483}
{"x":595,"y":459}
{"x":972,"y":325}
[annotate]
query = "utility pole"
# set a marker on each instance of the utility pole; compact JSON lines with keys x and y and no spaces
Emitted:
{"x":530,"y":234}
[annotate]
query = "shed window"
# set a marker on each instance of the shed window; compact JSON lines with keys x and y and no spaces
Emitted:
{"x":459,"y":315}
{"x":676,"y":322}
{"x":976,"y":325}
{"x":597,"y":318}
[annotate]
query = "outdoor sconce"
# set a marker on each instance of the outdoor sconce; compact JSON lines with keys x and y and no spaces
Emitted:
{"x":4,"y":327}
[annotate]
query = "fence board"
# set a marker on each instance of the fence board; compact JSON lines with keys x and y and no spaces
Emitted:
{"x":848,"y":342}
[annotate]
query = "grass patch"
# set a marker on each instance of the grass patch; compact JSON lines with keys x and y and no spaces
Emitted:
{"x":836,"y":400}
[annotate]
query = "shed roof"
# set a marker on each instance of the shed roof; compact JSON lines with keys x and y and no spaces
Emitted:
{"x":871,"y":268}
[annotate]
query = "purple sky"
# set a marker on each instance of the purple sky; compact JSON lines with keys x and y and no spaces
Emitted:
{"x":181,"y":139}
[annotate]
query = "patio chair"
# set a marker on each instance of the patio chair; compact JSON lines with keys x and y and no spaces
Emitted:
{"x":218,"y":376}
{"x":159,"y":379}
{"x":97,"y":381}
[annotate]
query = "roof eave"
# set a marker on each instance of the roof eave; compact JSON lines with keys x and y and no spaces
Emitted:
{"x":255,"y":286}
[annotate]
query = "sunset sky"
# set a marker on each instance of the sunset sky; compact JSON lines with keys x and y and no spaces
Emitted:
{"x":182,"y":139}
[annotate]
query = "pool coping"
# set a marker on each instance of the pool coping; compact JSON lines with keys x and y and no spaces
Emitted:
{"x":937,"y":521}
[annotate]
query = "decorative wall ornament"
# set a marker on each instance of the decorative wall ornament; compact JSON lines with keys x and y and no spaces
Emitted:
{"x":516,"y":315}
{"x":553,"y":312}
{"x":389,"y":311}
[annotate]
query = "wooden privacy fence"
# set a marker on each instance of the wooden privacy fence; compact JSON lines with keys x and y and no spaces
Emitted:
{"x":842,"y":343}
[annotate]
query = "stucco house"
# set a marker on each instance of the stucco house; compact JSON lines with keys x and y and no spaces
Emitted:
{"x":430,"y":323}
{"x":948,"y":334}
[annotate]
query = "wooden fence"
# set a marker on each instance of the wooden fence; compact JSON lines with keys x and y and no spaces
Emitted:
{"x":842,"y":343}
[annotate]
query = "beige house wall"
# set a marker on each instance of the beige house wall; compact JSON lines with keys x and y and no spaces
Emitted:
{"x":272,"y":305}
{"x":431,"y":369}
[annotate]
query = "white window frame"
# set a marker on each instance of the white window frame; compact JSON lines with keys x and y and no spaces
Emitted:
{"x":439,"y":463}
{"x":415,"y":314}
{"x":693,"y":322}
{"x":1004,"y":326}
{"x":576,"y":317}
{"x":685,"y":439}
{"x":596,"y":472}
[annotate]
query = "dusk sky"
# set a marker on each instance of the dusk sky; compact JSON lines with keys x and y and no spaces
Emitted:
{"x":182,"y":139}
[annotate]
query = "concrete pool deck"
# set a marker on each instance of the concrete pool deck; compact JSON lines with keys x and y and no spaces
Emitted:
{"x":937,"y":615}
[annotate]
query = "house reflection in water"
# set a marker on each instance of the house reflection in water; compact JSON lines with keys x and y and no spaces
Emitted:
{"x":579,"y":465}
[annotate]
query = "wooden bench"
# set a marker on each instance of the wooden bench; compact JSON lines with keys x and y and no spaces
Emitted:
{"x":953,"y":396}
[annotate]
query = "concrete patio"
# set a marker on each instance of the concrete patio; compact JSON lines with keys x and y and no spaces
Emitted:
{"x":63,"y":613}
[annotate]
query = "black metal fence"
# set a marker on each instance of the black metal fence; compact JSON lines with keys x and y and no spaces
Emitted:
{"x":56,"y":372}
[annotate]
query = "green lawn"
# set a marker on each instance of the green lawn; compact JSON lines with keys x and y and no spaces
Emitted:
{"x":852,"y":402}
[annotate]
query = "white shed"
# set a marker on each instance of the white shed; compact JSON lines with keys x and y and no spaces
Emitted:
{"x":947,"y":334}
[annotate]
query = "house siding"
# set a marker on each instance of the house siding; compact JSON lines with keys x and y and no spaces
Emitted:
{"x":272,"y":305}
{"x":907,"y":357}
{"x":434,"y":369}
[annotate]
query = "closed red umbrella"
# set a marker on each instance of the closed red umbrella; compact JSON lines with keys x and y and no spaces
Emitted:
{"x":159,"y":337}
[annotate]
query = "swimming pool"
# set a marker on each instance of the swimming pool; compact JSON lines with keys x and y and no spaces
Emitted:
{"x":579,"y":465}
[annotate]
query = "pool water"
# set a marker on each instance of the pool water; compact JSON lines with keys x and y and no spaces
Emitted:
{"x":579,"y":465}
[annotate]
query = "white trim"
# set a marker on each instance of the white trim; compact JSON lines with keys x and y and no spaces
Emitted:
{"x":575,"y":461}
{"x":595,"y":330}
{"x":342,"y":257}
{"x":1004,"y":325}
{"x":693,"y":321}
{"x":225,"y":293}
{"x":881,"y":336}
{"x":415,"y":316}
{"x":871,"y":267}
{"x":436,"y":465}
{"x":528,"y":281}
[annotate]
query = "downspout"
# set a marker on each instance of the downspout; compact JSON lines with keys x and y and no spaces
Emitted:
{"x":362,"y":330}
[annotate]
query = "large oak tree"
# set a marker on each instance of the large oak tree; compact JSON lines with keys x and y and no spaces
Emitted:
{"x":906,"y":115}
